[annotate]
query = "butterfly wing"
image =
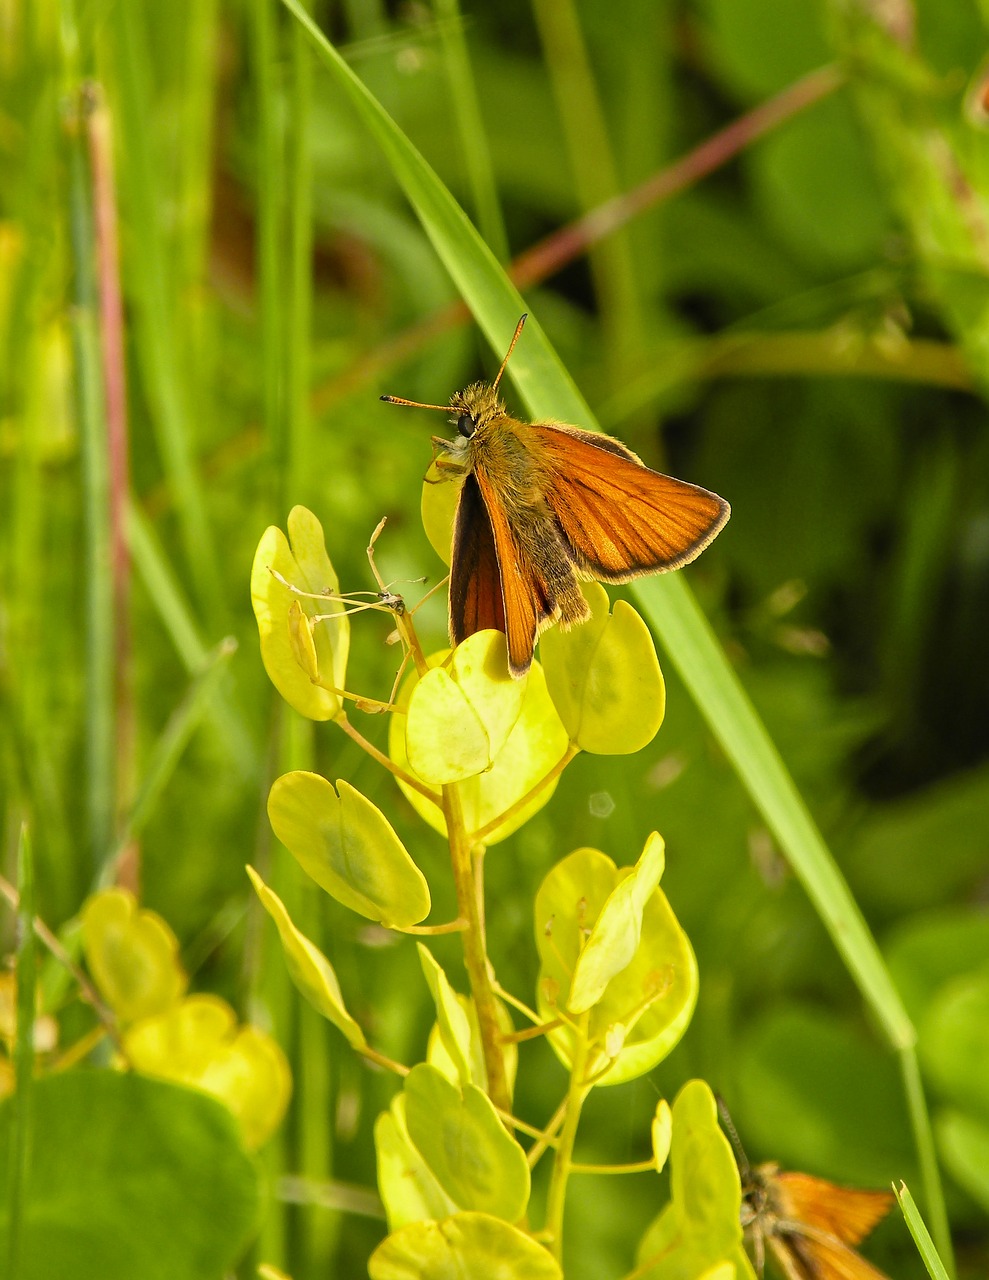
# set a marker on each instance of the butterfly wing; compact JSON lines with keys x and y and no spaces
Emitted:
{"x":475,"y":583}
{"x":846,"y":1213}
{"x":493,"y":582}
{"x":819,"y":1257}
{"x":618,"y":518}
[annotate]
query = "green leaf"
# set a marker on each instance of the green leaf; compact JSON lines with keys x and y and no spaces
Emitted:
{"x":700,"y":1229}
{"x":647,"y":1003}
{"x":349,"y":848}
{"x":459,"y":1135}
{"x":308,"y":968}
{"x":305,"y":662}
{"x":461,"y":714}
{"x":132,"y":954}
{"x":534,"y":747}
{"x":408,"y":1188}
{"x":921,"y":1236}
{"x":466,"y":1245}
{"x":131,"y":1177}
{"x":616,"y":934}
{"x":451,"y":1018}
{"x":604,"y":678}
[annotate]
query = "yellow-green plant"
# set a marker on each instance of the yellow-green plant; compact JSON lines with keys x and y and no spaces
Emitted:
{"x":477,"y":753}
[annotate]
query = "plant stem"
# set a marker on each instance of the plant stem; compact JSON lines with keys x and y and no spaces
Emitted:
{"x":22,"y":1118}
{"x":563,"y":1157}
{"x":475,"y":958}
{"x":482,"y":833}
{"x":383,"y":760}
{"x":100,"y":733}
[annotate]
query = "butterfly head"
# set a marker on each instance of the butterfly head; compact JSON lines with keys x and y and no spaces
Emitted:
{"x":474,"y":407}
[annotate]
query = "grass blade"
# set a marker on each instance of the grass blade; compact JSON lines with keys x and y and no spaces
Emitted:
{"x":922,"y":1238}
{"x":20,"y":1145}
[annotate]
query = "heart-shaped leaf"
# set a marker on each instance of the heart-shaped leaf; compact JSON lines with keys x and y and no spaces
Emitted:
{"x":604,"y":678}
{"x":304,"y":662}
{"x":349,"y":848}
{"x":132,"y":954}
{"x":460,"y":714}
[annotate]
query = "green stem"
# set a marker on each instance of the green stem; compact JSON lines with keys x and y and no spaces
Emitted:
{"x":563,"y":1156}
{"x":475,"y":959}
{"x":100,"y":735}
{"x":270,"y":187}
{"x":298,"y":478}
{"x":22,"y":1115}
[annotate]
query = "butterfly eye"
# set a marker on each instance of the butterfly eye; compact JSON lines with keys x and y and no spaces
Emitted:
{"x":466,"y":425}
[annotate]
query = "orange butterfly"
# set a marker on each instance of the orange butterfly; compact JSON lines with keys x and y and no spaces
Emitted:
{"x":544,"y":505}
{"x":810,"y":1224}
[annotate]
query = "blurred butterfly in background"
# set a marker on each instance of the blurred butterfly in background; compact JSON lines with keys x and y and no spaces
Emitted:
{"x":543,"y":505}
{"x":808,"y":1224}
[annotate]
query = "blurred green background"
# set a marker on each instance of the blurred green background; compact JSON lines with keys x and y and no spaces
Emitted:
{"x":805,"y":331}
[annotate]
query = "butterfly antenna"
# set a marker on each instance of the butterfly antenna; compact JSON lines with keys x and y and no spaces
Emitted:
{"x":511,"y":348}
{"x":741,"y":1159}
{"x":415,"y":404}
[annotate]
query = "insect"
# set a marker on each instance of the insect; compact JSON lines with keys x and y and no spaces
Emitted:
{"x":808,"y":1224}
{"x":543,"y":505}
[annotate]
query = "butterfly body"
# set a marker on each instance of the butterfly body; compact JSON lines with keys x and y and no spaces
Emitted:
{"x":543,"y":505}
{"x":810,"y":1225}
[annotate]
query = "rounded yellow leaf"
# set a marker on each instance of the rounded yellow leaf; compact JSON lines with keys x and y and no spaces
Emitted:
{"x":470,"y":1246}
{"x":304,"y":661}
{"x":459,"y":1134}
{"x":646,"y":1004}
{"x":534,"y":746}
{"x":604,"y":678}
{"x":349,"y":848}
{"x":409,"y":1191}
{"x":132,"y":955}
{"x":439,"y":508}
{"x":461,"y":714}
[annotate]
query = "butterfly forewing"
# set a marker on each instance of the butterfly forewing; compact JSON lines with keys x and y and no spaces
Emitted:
{"x":476,"y":602}
{"x":844,"y":1212}
{"x":528,"y":605}
{"x":619,"y":518}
